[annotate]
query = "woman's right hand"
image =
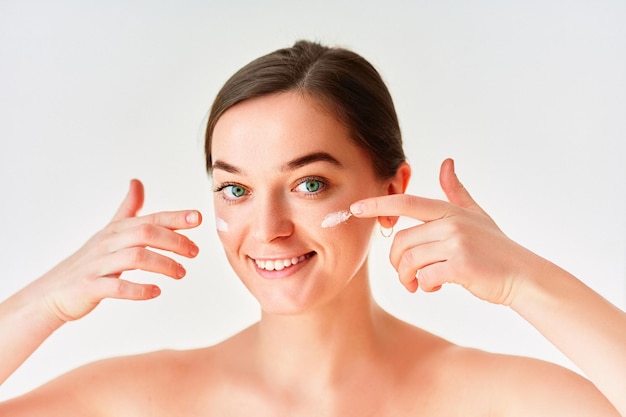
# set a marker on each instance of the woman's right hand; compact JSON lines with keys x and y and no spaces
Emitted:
{"x":77,"y":285}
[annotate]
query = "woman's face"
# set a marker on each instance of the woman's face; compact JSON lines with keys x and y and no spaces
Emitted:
{"x":280,"y":165}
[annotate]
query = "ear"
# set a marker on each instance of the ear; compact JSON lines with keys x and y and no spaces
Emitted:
{"x":396,"y":185}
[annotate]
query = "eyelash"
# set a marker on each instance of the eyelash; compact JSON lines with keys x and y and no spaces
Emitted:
{"x":313,"y":194}
{"x":307,"y":194}
{"x":230,"y":200}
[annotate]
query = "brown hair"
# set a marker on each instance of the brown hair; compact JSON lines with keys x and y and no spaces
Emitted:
{"x":342,"y":80}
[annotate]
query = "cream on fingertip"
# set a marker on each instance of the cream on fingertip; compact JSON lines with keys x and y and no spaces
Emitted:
{"x":357,"y":208}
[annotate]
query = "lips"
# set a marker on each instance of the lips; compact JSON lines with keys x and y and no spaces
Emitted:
{"x":280,"y":264}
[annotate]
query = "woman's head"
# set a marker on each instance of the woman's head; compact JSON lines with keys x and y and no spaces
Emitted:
{"x":294,"y":136}
{"x":344,"y":83}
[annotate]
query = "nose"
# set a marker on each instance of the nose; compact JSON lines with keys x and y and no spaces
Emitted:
{"x":271,"y":219}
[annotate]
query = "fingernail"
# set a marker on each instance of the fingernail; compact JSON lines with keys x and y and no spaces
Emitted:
{"x":192,"y":217}
{"x":181,"y":271}
{"x":357,"y":208}
{"x":156,"y":291}
{"x":193,"y":250}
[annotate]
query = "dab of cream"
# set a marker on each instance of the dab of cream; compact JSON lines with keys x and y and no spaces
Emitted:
{"x":333,"y":219}
{"x":221,"y":225}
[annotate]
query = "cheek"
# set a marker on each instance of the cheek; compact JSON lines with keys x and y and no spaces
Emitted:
{"x":221,"y":225}
{"x":334,"y":225}
{"x":229,"y":218}
{"x":349,"y":239}
{"x":346,"y":248}
{"x":230,"y":235}
{"x":228,"y":228}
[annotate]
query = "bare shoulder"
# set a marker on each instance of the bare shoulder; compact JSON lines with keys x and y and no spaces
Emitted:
{"x":114,"y":386}
{"x":447,"y":379}
{"x":520,"y":386}
{"x":160,"y":383}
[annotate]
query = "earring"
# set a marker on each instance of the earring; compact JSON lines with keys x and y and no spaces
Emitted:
{"x":385,"y":232}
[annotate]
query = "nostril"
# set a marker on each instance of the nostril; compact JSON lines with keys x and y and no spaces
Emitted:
{"x":269,"y":229}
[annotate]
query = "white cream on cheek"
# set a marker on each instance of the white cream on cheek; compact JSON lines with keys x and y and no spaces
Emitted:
{"x":330,"y":220}
{"x":221,"y":225}
{"x":336,"y":218}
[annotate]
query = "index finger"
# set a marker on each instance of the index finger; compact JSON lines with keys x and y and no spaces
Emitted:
{"x":420,"y":208}
{"x":173,"y":220}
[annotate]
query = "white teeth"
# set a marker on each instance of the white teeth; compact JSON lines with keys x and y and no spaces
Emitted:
{"x":278,"y":264}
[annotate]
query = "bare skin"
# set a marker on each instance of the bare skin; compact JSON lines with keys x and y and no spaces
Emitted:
{"x":323,"y":346}
{"x":412,"y":373}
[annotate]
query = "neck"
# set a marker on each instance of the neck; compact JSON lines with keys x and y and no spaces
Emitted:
{"x":328,"y":342}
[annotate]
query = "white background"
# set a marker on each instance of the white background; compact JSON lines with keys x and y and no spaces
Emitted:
{"x":528,"y":97}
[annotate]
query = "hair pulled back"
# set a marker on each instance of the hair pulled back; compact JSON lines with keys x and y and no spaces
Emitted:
{"x":344,"y":83}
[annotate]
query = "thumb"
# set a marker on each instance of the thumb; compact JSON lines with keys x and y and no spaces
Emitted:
{"x":452,"y":187}
{"x":133,"y":201}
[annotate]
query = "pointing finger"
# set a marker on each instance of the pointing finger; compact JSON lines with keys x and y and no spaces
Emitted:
{"x":173,"y":220}
{"x":424,"y":209}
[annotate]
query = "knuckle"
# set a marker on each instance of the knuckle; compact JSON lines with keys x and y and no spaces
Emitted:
{"x":407,"y":202}
{"x":429,"y":279}
{"x":136,"y":256}
{"x":128,"y":290}
{"x":168,"y":219}
{"x":109,"y":228}
{"x":406,"y":275}
{"x":120,"y":288}
{"x":410,"y":202}
{"x":402,"y":238}
{"x":371,"y":206}
{"x":425,"y":277}
{"x":408,"y":259}
{"x":171,"y":268}
{"x":182,"y":241}
{"x":146,"y":232}
{"x":453,"y":225}
{"x":151,"y":219}
{"x":461,"y":245}
{"x":164,"y":265}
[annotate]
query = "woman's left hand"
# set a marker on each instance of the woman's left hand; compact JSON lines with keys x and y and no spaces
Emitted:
{"x":457,"y":243}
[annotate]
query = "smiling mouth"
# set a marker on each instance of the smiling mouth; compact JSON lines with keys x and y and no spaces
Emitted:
{"x":280,"y":264}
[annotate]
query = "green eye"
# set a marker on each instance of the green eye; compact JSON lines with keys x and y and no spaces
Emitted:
{"x":232,"y":192}
{"x":235,"y":191}
{"x":311,"y":186}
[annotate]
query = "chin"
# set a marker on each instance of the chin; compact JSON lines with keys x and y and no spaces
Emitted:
{"x":285,"y":305}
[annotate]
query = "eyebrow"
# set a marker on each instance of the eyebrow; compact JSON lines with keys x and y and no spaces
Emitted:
{"x":225,"y":167}
{"x":309,"y":159}
{"x":289,"y":166}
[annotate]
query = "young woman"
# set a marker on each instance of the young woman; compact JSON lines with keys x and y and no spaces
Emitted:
{"x":306,"y":157}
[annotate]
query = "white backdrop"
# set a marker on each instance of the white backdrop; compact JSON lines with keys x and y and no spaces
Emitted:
{"x":528,"y":97}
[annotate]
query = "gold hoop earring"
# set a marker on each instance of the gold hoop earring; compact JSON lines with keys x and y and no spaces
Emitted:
{"x":385,"y":232}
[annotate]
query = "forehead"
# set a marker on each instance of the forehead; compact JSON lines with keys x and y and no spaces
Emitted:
{"x":265,"y":132}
